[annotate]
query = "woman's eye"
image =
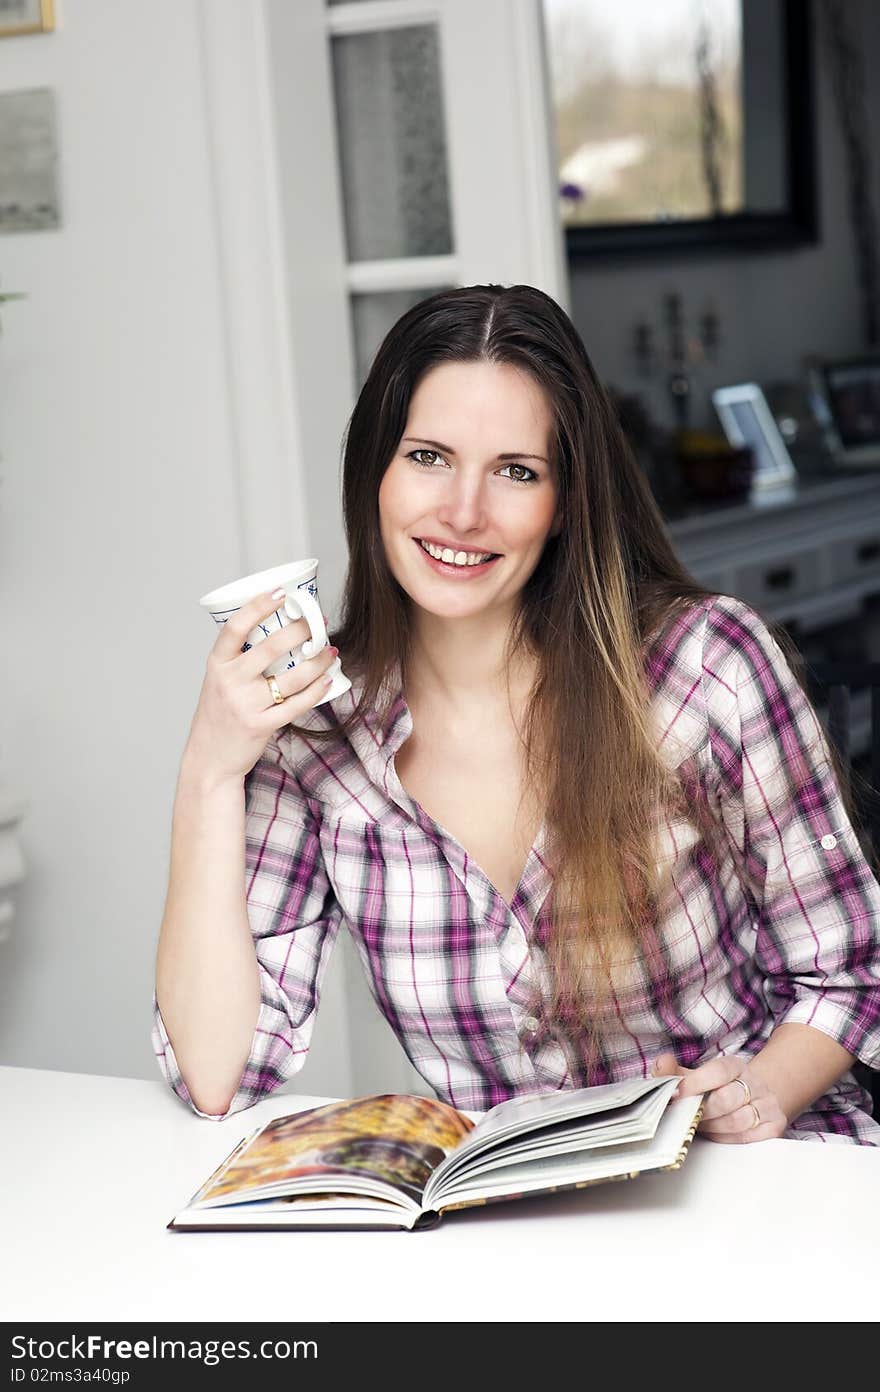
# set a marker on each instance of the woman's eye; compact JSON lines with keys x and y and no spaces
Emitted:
{"x":533,"y":477}
{"x":517,"y":477}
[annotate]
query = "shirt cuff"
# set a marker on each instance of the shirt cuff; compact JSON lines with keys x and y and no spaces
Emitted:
{"x":164,"y":1051}
{"x":277,"y":1051}
{"x":823,"y":1013}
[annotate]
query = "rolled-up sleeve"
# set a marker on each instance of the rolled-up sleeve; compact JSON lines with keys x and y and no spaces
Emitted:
{"x":294,"y":919}
{"x":816,"y":901}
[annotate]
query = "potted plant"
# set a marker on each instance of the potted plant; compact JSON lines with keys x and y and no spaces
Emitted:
{"x":6,"y":295}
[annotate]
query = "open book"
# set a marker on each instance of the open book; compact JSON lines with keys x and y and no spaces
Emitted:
{"x":399,"y":1161}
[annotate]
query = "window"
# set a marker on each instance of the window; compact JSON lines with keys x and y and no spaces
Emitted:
{"x":674,"y":122}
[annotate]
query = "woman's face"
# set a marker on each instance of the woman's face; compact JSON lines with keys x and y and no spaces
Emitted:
{"x":471,"y":474}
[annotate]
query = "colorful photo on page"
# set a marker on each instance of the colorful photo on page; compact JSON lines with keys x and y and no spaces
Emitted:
{"x":399,"y":1140}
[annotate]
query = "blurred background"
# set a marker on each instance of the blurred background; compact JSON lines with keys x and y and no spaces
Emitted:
{"x":213,"y":210}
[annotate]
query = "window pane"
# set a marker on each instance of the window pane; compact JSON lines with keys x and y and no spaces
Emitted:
{"x":372,"y":315}
{"x":650,"y":112}
{"x":392,"y":143}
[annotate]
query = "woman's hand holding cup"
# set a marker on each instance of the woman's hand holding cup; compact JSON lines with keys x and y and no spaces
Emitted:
{"x":236,"y":714}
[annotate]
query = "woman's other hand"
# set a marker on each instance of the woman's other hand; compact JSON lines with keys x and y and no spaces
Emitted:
{"x":738,"y":1106}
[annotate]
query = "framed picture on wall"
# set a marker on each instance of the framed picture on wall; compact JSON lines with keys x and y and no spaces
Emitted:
{"x":29,"y":194}
{"x":26,"y":17}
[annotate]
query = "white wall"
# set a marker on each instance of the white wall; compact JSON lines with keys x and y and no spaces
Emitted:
{"x":773,"y":306}
{"x":120,"y":503}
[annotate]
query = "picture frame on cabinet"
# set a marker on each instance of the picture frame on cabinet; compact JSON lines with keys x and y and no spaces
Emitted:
{"x":747,"y":421}
{"x":846,"y":403}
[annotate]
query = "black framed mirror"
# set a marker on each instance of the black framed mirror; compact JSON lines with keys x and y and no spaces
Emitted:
{"x":683,"y":126}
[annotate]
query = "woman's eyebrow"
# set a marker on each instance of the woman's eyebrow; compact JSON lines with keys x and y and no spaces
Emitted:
{"x":447,"y":449}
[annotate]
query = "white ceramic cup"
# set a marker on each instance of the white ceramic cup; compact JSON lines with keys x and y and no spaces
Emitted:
{"x":300,"y":581}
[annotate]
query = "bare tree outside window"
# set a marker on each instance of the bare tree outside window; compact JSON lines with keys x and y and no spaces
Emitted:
{"x":649,"y":108}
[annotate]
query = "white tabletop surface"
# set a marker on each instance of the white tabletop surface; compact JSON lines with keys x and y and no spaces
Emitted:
{"x":93,"y":1168}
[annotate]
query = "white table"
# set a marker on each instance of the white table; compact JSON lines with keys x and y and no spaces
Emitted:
{"x":93,"y":1168}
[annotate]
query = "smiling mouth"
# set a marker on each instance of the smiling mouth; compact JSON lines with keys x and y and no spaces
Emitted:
{"x":469,"y":563}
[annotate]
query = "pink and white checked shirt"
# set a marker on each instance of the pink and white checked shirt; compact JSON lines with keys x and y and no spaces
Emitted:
{"x":784,"y":926}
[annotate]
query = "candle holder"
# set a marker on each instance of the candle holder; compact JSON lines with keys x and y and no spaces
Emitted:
{"x":681,"y":354}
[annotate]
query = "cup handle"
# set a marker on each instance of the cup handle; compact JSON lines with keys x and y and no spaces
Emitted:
{"x":305,"y":606}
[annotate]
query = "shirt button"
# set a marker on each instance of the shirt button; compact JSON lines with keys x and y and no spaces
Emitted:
{"x":531,"y":1024}
{"x":828,"y":842}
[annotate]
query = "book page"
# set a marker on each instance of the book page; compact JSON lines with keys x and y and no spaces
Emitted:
{"x":633,"y":1124}
{"x":665,"y":1150}
{"x":535,"y":1112}
{"x":390,"y":1143}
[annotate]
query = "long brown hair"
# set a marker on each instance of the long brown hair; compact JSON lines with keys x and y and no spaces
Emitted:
{"x":604,"y":588}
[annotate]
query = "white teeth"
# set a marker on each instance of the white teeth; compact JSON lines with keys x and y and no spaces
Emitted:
{"x":460,"y":558}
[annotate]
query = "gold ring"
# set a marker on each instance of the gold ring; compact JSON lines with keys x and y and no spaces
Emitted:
{"x":746,"y":1089}
{"x":277,"y":695}
{"x":757,"y":1121}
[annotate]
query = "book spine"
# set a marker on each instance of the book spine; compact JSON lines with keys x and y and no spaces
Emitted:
{"x":428,"y":1219}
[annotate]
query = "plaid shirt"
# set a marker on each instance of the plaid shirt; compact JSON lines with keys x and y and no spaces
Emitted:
{"x":785,"y":925}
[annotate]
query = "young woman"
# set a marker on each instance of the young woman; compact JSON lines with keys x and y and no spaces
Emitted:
{"x":576,"y":811}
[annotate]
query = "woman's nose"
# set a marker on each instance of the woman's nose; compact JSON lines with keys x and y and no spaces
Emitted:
{"x":463,"y":505}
